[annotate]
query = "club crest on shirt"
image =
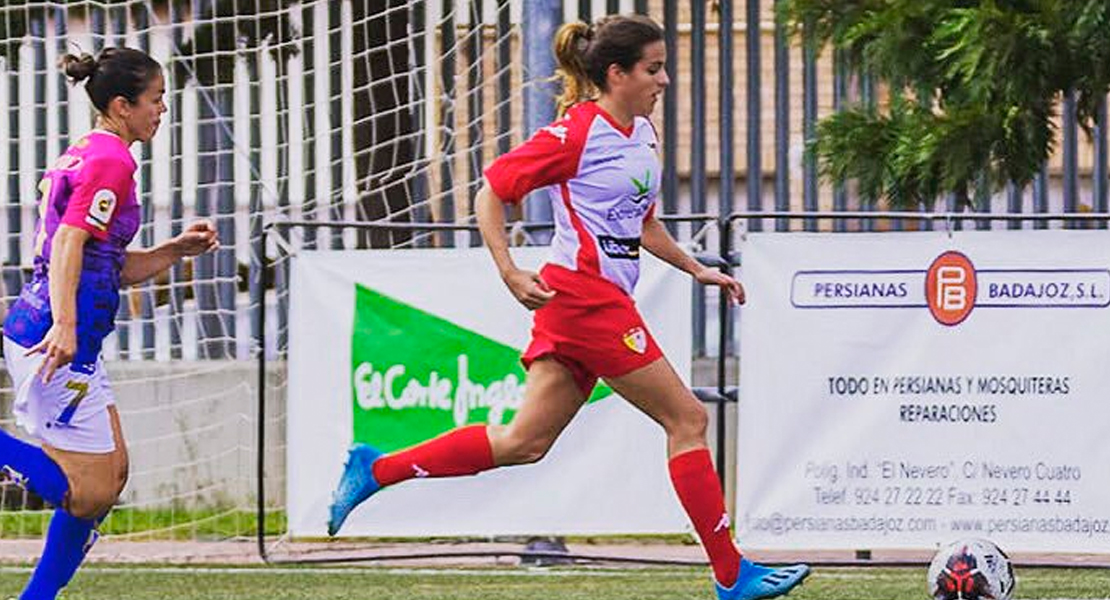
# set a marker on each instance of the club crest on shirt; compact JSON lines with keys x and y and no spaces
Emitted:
{"x":636,"y":340}
{"x":100,"y":210}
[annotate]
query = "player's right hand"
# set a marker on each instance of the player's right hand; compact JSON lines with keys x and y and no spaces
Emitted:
{"x":529,"y":288}
{"x":59,"y":345}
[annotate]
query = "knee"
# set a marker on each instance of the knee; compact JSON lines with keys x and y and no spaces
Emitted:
{"x":691,"y":424}
{"x":532,"y":451}
{"x":514,"y":449}
{"x":97,"y":495}
{"x":91,"y":505}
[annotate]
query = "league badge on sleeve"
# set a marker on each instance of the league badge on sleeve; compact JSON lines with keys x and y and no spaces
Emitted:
{"x":100,"y":210}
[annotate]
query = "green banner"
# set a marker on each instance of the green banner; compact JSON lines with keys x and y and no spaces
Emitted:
{"x":415,"y":375}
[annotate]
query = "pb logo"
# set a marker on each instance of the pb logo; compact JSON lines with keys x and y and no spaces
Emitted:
{"x":950,"y":288}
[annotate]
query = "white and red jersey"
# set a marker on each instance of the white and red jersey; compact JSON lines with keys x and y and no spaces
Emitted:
{"x":602,"y":180}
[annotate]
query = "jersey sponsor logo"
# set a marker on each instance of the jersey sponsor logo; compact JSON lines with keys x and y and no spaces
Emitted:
{"x":559,"y":131}
{"x":623,"y":248}
{"x":635,"y":339}
{"x":643,"y":188}
{"x":623,"y":213}
{"x":100,"y":210}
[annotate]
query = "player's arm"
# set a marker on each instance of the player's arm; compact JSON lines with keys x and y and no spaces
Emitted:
{"x":657,"y":240}
{"x":140,"y":265}
{"x":527,"y":287}
{"x":88,"y":214}
{"x":60,"y":343}
{"x":551,"y":155}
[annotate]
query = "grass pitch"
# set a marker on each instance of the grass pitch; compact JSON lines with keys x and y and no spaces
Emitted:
{"x":376,"y":583}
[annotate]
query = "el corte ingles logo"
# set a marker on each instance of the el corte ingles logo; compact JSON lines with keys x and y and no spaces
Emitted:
{"x":415,"y":375}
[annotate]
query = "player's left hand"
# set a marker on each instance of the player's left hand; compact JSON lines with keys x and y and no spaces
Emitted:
{"x":198,"y":238}
{"x":709,"y":276}
{"x":58,"y":347}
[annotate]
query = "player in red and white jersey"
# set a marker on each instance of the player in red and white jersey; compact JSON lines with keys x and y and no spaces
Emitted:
{"x":598,"y":165}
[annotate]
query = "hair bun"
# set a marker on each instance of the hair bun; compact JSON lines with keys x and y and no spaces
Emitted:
{"x":79,"y":68}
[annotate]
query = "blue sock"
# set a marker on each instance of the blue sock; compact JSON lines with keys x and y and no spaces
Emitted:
{"x":33,"y":469}
{"x":67,"y":542}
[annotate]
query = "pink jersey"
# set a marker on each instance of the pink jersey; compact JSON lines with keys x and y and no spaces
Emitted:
{"x":602,"y":181}
{"x":91,"y":186}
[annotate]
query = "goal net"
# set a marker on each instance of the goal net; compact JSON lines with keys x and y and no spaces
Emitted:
{"x":353,"y":110}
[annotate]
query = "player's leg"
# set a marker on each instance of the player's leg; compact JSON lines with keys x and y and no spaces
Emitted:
{"x":657,"y":391}
{"x":27,"y":464}
{"x":30,"y":467}
{"x":97,"y":479}
{"x":74,"y":416}
{"x":552,"y":397}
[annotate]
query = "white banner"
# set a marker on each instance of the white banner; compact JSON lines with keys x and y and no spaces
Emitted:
{"x":394,"y":347}
{"x":903,"y":390}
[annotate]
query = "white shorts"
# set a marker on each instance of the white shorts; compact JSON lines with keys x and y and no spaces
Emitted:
{"x":69,"y":413}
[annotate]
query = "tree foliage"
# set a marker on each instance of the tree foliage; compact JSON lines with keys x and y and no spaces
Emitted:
{"x":974,"y":87}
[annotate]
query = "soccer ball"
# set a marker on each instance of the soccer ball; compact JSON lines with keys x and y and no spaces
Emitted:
{"x":971,"y":570}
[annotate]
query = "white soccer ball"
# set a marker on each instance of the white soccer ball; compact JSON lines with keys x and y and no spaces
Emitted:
{"x":971,"y":569}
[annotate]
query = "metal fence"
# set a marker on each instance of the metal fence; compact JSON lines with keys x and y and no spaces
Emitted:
{"x":388,"y":110}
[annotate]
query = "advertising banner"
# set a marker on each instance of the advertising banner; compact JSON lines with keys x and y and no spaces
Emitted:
{"x":904,"y":390}
{"x":391,"y":348}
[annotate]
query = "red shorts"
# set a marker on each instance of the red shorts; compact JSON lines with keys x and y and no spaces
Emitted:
{"x":592,"y":327}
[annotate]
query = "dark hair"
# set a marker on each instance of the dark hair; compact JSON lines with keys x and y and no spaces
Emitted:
{"x":585,"y":52}
{"x":116,"y":72}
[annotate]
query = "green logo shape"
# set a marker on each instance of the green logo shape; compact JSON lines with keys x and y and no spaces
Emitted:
{"x":415,"y":375}
{"x":642,"y":187}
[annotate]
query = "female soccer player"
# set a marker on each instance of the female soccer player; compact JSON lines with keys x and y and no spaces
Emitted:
{"x":53,"y":332}
{"x":599,"y":168}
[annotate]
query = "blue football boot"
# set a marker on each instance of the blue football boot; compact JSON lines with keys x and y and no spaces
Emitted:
{"x":356,"y":485}
{"x":756,"y":581}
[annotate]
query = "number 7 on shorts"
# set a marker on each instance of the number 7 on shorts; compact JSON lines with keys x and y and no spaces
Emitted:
{"x":82,"y":389}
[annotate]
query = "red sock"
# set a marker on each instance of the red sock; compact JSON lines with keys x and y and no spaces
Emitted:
{"x":462,"y":451}
{"x":698,"y":489}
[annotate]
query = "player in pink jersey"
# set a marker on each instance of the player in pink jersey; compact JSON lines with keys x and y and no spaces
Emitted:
{"x":598,"y":165}
{"x":88,"y":215}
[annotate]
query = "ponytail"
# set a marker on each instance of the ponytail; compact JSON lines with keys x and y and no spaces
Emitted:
{"x":78,"y":68}
{"x":572,"y":41}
